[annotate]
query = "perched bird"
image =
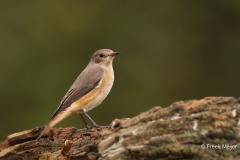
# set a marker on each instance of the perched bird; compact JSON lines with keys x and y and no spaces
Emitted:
{"x":89,"y":89}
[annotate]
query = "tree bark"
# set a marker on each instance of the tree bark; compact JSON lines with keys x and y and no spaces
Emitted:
{"x":194,"y":129}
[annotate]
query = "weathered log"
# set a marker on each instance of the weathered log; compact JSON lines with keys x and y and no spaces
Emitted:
{"x":194,"y":129}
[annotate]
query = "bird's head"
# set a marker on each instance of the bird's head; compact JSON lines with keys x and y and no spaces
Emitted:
{"x":103,"y":57}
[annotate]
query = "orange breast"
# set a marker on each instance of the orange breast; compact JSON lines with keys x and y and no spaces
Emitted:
{"x":96,"y":96}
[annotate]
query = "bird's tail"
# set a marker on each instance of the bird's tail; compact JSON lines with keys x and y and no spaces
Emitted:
{"x":59,"y":117}
{"x":44,"y":131}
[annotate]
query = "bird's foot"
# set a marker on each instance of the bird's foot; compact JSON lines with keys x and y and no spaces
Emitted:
{"x":96,"y":126}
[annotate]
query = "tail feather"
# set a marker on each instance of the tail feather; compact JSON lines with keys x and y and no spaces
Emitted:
{"x":44,"y":131}
{"x":59,"y":117}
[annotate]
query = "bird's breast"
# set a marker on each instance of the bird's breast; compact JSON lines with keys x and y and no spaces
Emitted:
{"x":97,"y":95}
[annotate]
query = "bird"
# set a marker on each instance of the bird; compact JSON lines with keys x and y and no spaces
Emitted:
{"x":88,"y":91}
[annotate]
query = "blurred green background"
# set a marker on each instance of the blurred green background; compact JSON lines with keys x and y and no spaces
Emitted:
{"x":170,"y":51}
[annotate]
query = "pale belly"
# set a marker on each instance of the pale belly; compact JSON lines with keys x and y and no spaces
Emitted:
{"x":94,"y":97}
{"x":100,"y":96}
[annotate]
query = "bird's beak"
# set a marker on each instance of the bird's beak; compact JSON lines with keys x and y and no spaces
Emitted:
{"x":114,"y":53}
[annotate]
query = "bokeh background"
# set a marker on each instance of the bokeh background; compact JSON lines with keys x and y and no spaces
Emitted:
{"x":170,"y":51}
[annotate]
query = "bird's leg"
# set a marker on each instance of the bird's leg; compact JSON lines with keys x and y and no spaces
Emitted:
{"x":94,"y":123}
{"x":87,"y":126}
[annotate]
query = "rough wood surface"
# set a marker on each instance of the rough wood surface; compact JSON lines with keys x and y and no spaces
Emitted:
{"x":194,"y":129}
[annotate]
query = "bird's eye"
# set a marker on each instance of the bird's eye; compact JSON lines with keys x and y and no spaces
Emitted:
{"x":101,"y":55}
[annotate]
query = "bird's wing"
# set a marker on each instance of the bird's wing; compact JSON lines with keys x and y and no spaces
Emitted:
{"x":89,"y":79}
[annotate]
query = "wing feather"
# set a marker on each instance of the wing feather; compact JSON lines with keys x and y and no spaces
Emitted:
{"x":86,"y":81}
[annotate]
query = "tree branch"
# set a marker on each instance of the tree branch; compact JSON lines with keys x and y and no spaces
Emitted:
{"x":194,"y":129}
